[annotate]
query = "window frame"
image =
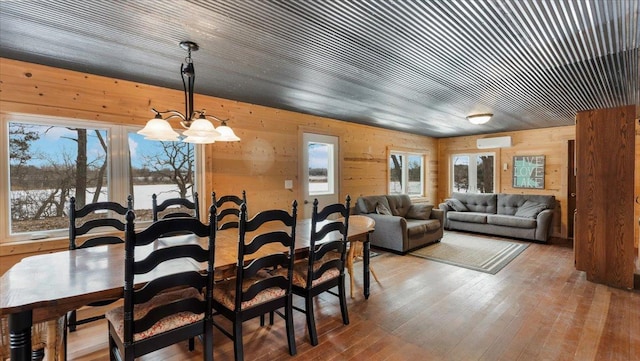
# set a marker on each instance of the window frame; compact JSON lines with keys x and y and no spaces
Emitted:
{"x":405,"y":170}
{"x":117,"y":171}
{"x":473,"y":171}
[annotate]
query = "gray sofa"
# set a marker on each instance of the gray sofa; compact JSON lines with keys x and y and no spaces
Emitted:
{"x":512,"y":215}
{"x":400,"y":225}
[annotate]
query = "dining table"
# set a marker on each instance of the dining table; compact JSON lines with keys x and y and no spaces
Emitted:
{"x":45,"y":287}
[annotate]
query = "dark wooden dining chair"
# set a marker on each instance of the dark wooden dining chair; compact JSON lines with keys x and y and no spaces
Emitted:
{"x":228,"y":208}
{"x":175,"y":302}
{"x":255,"y":290}
{"x":323,"y":269}
{"x":95,"y":224}
{"x":175,"y":207}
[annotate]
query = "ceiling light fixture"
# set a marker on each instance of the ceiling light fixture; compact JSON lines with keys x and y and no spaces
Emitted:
{"x":479,"y":118}
{"x":198,"y":129}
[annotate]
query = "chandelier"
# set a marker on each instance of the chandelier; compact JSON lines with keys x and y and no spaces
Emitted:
{"x":198,"y":128}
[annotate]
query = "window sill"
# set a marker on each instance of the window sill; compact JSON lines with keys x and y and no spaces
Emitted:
{"x":13,"y":248}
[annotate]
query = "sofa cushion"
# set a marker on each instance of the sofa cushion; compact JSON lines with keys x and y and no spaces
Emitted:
{"x":456,"y":205}
{"x":511,"y":221}
{"x":509,"y":204}
{"x":368,"y":204}
{"x":478,"y":202}
{"x":399,"y":204}
{"x":530,"y":209}
{"x":382,"y":209}
{"x":471,"y":217}
{"x":416,"y":228}
{"x":420,"y":211}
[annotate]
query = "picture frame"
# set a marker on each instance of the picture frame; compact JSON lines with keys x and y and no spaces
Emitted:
{"x":528,"y":171}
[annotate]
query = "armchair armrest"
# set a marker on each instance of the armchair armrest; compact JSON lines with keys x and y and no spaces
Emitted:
{"x":543,"y":225}
{"x":438,"y":214}
{"x":444,"y":208}
{"x":389,"y":229}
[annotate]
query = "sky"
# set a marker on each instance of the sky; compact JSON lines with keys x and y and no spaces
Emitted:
{"x":55,"y":142}
{"x":318,"y":154}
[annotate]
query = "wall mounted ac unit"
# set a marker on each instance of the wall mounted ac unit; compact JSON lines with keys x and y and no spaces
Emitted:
{"x":496,"y":142}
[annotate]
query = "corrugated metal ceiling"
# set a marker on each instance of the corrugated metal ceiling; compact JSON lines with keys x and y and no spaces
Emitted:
{"x":417,"y":66}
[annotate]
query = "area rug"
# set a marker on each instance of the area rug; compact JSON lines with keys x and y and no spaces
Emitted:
{"x":479,"y":253}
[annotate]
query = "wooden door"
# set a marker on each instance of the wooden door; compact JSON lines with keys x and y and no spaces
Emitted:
{"x":605,"y":149}
{"x":571,"y":188}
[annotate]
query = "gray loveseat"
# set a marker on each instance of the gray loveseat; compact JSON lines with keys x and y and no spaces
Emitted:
{"x":405,"y":226}
{"x":512,"y":215}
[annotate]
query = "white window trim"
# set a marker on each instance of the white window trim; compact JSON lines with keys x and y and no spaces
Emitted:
{"x":118,"y":172}
{"x":405,"y":170}
{"x":473,"y":171}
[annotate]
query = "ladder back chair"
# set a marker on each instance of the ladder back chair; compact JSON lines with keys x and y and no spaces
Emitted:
{"x":108,"y":218}
{"x":175,"y":304}
{"x":323,"y":269}
{"x":255,"y":290}
{"x":175,"y":207}
{"x":228,"y":207}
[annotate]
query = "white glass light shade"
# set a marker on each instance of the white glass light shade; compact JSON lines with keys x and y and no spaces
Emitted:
{"x":479,"y":118}
{"x":202,"y":128}
{"x":159,"y":129}
{"x":199,"y":140}
{"x":226,"y":134}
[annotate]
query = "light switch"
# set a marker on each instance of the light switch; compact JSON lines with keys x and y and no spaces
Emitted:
{"x":288,"y":184}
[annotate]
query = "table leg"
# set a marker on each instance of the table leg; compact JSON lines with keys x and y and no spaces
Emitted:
{"x":20,"y":335}
{"x":365,"y":266}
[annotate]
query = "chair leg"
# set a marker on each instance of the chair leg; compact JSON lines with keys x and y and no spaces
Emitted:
{"x":374,"y":274}
{"x":72,"y":321}
{"x":64,"y":338}
{"x":113,"y":348}
{"x":192,"y":344}
{"x":37,"y":355}
{"x":291,"y":338}
{"x":350,"y":258}
{"x":311,"y":322}
{"x":237,"y":340}
{"x":207,"y":344}
{"x":342,"y":294}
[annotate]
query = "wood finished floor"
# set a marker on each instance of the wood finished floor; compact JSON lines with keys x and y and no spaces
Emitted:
{"x":537,"y":308}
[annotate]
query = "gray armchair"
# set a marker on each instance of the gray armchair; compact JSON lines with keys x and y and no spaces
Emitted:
{"x":400,"y":225}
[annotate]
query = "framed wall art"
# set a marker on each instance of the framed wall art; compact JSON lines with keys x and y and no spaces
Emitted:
{"x":528,"y":171}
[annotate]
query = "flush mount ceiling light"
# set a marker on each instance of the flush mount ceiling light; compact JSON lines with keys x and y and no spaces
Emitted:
{"x":479,"y":118}
{"x":198,"y":128}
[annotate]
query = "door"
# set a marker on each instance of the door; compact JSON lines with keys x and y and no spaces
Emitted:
{"x":319,"y":171}
{"x":571,"y":189}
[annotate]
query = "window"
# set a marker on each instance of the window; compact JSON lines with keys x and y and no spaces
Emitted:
{"x":164,"y":168}
{"x":320,"y":160}
{"x":49,"y":160}
{"x":473,"y":173}
{"x":406,"y":173}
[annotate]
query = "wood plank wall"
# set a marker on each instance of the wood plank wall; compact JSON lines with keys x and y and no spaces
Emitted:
{"x":267,"y":155}
{"x":550,"y":142}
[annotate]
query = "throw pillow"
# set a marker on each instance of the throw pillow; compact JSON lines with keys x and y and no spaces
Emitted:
{"x":382,"y":209}
{"x":456,"y":205}
{"x":419,"y":211}
{"x":530,"y":209}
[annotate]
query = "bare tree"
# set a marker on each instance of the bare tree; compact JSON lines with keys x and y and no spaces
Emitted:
{"x":174,"y":163}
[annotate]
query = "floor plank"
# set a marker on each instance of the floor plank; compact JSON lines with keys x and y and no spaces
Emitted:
{"x":537,"y":308}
